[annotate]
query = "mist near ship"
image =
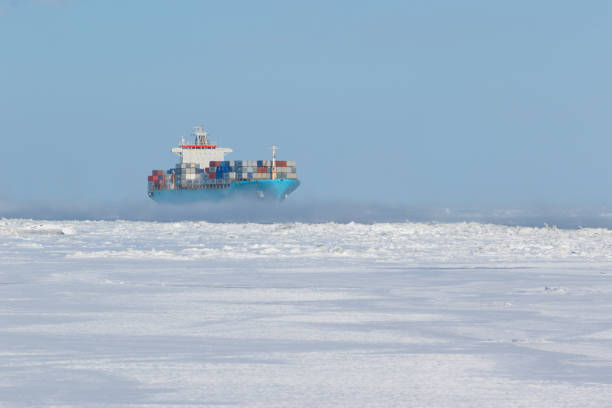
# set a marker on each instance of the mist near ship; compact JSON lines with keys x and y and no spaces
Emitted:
{"x":316,"y":211}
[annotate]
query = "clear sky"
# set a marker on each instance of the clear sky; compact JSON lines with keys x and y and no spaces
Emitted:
{"x":441,"y":102}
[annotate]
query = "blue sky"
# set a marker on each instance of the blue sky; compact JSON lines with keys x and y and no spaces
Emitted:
{"x":435,"y":102}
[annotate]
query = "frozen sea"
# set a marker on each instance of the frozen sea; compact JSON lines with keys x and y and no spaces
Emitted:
{"x":198,"y":314}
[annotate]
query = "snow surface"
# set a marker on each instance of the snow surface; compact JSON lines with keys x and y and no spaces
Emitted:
{"x":145,"y":314}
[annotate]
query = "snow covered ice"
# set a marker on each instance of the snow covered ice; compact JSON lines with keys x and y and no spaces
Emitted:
{"x":145,"y":314}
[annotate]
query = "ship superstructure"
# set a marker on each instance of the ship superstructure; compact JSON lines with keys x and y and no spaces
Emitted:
{"x":204,"y":174}
{"x":201,"y":151}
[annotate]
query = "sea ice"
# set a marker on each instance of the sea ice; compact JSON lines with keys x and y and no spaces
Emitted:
{"x":142,"y":314}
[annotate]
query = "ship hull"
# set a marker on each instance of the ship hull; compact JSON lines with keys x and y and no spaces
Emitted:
{"x":262,"y":189}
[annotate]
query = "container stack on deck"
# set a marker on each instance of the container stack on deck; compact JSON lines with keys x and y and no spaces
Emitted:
{"x":219,"y":174}
{"x":157,"y":180}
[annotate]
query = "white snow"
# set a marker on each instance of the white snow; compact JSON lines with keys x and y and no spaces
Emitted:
{"x":144,"y":314}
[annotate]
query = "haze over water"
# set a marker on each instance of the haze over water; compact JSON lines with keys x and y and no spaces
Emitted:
{"x":246,"y":211}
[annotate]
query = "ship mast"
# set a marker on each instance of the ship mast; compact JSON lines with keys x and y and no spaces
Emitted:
{"x":274,"y":162}
{"x":201,"y":136}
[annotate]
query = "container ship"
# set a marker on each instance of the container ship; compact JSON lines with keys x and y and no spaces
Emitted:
{"x":203,"y":174}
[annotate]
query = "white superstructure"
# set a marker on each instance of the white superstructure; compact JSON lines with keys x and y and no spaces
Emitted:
{"x":201,"y":151}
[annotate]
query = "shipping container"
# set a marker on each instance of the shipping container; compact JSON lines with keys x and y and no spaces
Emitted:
{"x":219,"y":174}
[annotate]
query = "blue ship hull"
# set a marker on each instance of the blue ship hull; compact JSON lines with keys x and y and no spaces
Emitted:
{"x":263,"y":189}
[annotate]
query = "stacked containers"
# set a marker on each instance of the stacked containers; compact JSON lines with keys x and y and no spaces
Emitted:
{"x":219,"y":174}
{"x":244,"y":169}
{"x":286,"y":169}
{"x":157,"y":180}
{"x":241,"y":170}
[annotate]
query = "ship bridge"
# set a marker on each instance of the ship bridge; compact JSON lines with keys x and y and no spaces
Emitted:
{"x":201,"y":151}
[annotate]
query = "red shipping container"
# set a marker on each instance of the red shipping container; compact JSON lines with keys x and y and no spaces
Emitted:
{"x":212,"y":175}
{"x":262,"y":169}
{"x":215,"y":163}
{"x":281,"y":163}
{"x":158,"y":172}
{"x":150,"y":178}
